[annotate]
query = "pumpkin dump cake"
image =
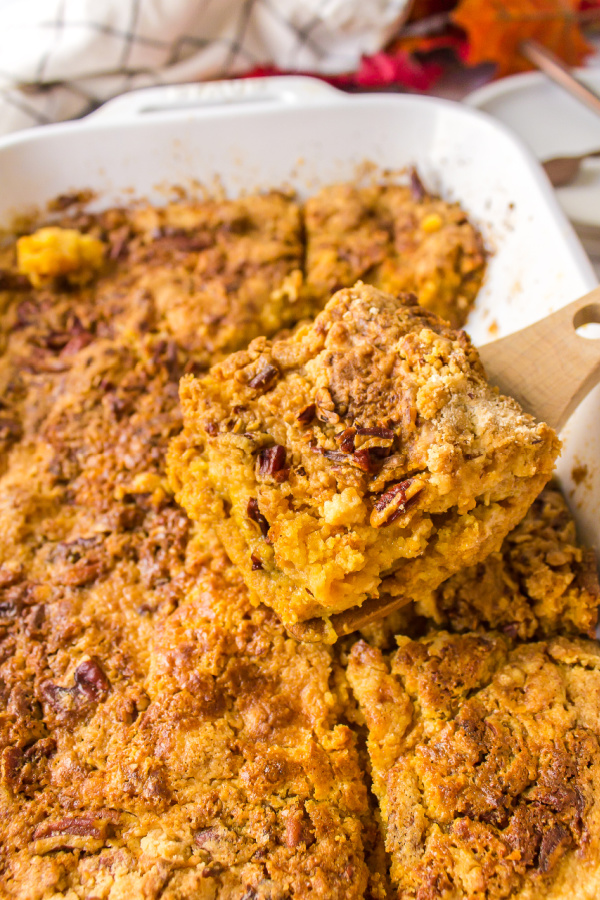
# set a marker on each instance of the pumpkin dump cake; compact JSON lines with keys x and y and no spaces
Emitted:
{"x":486,"y":763}
{"x":160,"y":735}
{"x":366,"y":453}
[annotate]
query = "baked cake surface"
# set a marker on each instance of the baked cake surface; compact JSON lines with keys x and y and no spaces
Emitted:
{"x":486,"y":763}
{"x":398,"y":238}
{"x":159,"y":737}
{"x":226,"y":772}
{"x":364,"y":454}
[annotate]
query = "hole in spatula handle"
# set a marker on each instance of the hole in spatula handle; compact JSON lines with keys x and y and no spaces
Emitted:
{"x":586,"y":321}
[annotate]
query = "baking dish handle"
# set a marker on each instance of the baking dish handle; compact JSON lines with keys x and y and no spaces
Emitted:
{"x":280,"y":89}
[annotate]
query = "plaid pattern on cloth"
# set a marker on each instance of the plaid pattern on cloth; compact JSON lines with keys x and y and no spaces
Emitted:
{"x":60,"y":59}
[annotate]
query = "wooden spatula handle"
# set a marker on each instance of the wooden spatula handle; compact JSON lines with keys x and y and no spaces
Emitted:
{"x":548,"y":367}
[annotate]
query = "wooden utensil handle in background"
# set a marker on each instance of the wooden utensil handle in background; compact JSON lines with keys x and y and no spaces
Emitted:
{"x":555,"y":69}
{"x":548,"y":368}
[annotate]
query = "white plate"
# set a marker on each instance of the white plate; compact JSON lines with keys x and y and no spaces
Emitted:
{"x":300,"y":132}
{"x":551,"y":123}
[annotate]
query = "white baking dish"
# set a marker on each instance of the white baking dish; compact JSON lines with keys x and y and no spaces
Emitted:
{"x":299,"y":132}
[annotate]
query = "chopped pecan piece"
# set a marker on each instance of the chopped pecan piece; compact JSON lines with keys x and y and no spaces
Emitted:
{"x":10,"y":575}
{"x":81,"y":826}
{"x":346,"y":439}
{"x":80,"y":574}
{"x":264,"y":379}
{"x":256,"y":563}
{"x":325,"y":408}
{"x":57,"y":697}
{"x":394,"y":501}
{"x":333,"y":455}
{"x":554,"y":843}
{"x":255,"y":514}
{"x":183,"y":241}
{"x":39,"y":362}
{"x":298,"y":829}
{"x":271,"y":460}
{"x":11,"y":763}
{"x":363,"y":460}
{"x":77,"y":342}
{"x":306,"y":415}
{"x":376,"y":431}
{"x":91,"y":679}
{"x":206,"y":835}
{"x":118,"y":242}
{"x":55,"y":340}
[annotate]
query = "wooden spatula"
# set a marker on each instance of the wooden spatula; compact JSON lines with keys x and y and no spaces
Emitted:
{"x":548,"y":368}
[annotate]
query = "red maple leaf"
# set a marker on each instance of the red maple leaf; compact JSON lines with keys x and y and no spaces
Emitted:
{"x":496,"y":29}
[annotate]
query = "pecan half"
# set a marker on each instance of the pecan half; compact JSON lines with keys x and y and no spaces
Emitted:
{"x":254,"y":513}
{"x":91,"y":679}
{"x":264,"y":379}
{"x":271,"y":460}
{"x":393,"y":502}
{"x":81,"y":826}
{"x":85,"y":833}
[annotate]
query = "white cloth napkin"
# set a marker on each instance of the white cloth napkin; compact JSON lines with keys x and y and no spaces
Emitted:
{"x":61,"y":58}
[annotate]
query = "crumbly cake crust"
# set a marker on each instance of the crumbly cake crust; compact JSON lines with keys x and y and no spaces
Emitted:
{"x":486,"y":762}
{"x":365,"y":453}
{"x":540,"y":582}
{"x":228,"y":774}
{"x":397,"y":238}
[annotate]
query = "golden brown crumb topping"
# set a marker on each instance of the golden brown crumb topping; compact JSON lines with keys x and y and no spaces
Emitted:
{"x":486,"y":762}
{"x":541,"y":581}
{"x":158,"y":736}
{"x":397,"y":238}
{"x":226,"y":772}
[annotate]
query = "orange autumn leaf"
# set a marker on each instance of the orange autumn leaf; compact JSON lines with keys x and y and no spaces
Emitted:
{"x":496,"y":28}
